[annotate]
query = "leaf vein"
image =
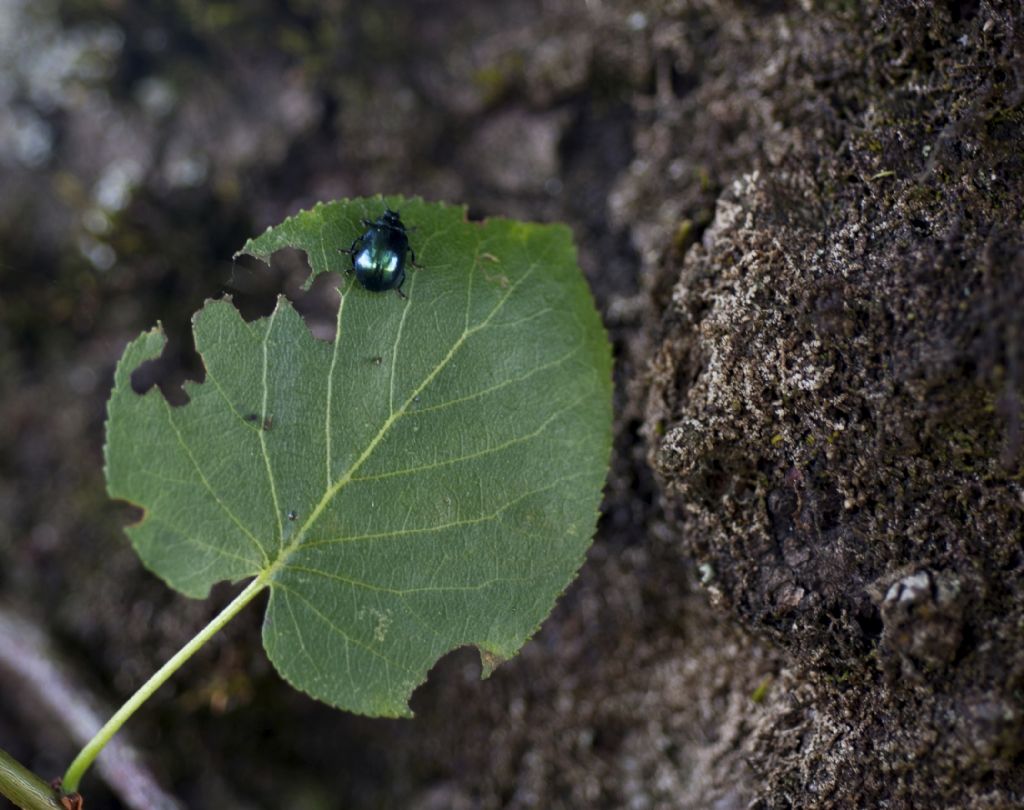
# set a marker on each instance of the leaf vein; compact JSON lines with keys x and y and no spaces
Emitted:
{"x":330,"y":383}
{"x":202,"y":543}
{"x":323,"y":246}
{"x":299,"y":636}
{"x":369,"y":586}
{"x":480,"y":453}
{"x":262,"y":433}
{"x":332,"y":626}
{"x":442,"y":526}
{"x":503,"y":384}
{"x":220,"y":390}
{"x":394,"y":350}
{"x":341,"y":482}
{"x":209,"y":487}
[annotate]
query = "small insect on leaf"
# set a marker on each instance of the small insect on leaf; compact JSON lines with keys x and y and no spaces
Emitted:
{"x":379,"y":254}
{"x":437,"y":479}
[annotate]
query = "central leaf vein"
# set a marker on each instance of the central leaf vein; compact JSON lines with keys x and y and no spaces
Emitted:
{"x":386,"y":426}
{"x":369,"y":586}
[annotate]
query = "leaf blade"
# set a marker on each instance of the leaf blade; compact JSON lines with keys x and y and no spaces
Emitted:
{"x":443,"y":459}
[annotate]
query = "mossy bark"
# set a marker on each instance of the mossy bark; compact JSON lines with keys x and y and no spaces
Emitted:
{"x":836,"y":405}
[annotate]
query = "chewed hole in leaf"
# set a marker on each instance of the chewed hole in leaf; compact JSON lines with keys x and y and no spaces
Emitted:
{"x":256,"y":286}
{"x":130,"y":514}
{"x":424,"y":479}
{"x":318,"y":306}
{"x":180,"y":366}
{"x":177,"y":364}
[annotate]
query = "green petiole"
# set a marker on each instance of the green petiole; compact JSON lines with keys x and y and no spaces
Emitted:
{"x":92,"y":749}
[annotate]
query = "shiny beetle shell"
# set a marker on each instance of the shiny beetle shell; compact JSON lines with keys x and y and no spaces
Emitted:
{"x":379,"y":254}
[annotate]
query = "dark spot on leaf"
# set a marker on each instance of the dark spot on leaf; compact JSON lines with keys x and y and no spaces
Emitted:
{"x":268,"y":421}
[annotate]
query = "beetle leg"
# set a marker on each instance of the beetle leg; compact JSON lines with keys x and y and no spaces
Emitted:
{"x":413,"y":262}
{"x":401,"y":294}
{"x":352,"y":250}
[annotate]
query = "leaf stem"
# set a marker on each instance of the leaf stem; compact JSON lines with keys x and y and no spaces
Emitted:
{"x":92,"y":749}
{"x":23,"y":787}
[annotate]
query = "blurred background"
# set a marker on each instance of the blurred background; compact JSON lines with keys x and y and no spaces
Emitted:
{"x":141,"y":143}
{"x":801,"y":223}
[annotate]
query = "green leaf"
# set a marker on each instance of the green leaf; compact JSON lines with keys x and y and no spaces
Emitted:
{"x":430,"y":479}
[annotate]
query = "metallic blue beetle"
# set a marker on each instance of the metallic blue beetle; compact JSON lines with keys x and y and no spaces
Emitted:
{"x":379,"y":255}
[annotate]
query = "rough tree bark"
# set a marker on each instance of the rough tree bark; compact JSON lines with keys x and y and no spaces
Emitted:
{"x":837,"y":394}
